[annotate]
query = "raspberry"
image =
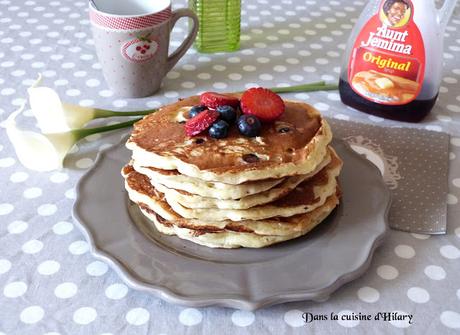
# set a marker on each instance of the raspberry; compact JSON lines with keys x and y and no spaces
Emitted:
{"x":214,"y":100}
{"x":200,"y":122}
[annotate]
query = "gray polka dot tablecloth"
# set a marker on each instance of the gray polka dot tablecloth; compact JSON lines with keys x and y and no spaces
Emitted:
{"x":49,"y":281}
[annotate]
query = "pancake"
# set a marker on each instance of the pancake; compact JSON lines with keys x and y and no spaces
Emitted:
{"x":190,"y":200}
{"x":172,"y":179}
{"x":293,"y":145}
{"x":307,"y":196}
{"x":246,"y":235}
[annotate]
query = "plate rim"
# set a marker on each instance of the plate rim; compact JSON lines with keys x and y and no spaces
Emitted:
{"x":238,"y":301}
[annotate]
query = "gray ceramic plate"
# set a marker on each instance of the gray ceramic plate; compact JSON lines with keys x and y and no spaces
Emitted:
{"x":308,"y":268}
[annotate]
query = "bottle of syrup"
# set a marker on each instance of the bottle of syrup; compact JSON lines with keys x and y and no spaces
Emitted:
{"x":393,"y":62}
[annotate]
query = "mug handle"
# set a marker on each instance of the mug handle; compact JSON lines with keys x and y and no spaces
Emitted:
{"x":187,"y":43}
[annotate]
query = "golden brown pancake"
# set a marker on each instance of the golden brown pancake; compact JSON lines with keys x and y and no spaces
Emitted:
{"x":294,"y":144}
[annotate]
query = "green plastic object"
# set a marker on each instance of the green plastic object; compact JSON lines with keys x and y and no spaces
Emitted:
{"x":219,"y":25}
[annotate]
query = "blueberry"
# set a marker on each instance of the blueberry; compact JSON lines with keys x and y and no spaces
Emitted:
{"x":227,"y":113}
{"x":249,"y":125}
{"x":195,"y":110}
{"x":219,"y":129}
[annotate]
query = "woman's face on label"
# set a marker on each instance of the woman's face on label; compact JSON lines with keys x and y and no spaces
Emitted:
{"x":396,"y":13}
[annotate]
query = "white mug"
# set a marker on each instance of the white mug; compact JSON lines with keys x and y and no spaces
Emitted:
{"x":132,"y":40}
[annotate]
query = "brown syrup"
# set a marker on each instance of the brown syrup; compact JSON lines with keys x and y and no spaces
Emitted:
{"x":414,"y":111}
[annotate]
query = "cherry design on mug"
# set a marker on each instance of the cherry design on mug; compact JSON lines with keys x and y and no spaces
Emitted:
{"x":139,"y":49}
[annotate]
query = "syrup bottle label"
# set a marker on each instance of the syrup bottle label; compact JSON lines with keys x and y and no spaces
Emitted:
{"x":387,"y":63}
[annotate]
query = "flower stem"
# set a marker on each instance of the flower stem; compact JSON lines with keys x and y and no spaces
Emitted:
{"x":103,"y":113}
{"x":83,"y":132}
{"x":306,"y":88}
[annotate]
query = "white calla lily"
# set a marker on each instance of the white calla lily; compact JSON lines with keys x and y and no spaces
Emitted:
{"x":54,"y":116}
{"x":46,"y":152}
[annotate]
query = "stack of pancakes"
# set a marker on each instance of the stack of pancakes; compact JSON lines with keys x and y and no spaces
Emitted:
{"x":237,"y":191}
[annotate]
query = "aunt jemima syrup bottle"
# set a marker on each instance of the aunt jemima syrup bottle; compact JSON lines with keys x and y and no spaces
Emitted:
{"x":393,"y":62}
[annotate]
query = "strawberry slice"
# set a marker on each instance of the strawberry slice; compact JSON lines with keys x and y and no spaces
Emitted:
{"x":263,"y":103}
{"x":201,"y":122}
{"x":214,"y":100}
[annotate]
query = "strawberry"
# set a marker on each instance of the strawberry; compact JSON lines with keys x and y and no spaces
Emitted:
{"x":263,"y":103}
{"x":201,"y":122}
{"x":214,"y":100}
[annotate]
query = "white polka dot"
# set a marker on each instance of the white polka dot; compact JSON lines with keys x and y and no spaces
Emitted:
{"x":292,"y":61}
{"x":435,"y":272}
{"x":62,"y":228}
{"x":294,"y":318}
{"x":17,"y":227}
{"x":171,"y":94}
{"x":7,"y":91}
{"x":243,"y":318}
{"x":453,"y":108}
{"x":456,"y":182}
{"x":263,"y":60}
{"x":401,"y":323}
{"x":235,"y":76}
{"x":450,"y":319}
{"x":32,"y":246}
{"x":173,"y":75}
{"x":47,"y":209}
{"x":48,"y":267}
{"x":70,"y":194}
{"x":309,"y":69}
{"x":5,"y":266}
{"x":116,"y":291}
{"x":190,"y":317}
{"x":73,"y":92}
{"x":387,"y":272}
{"x":80,"y":74}
{"x":266,"y":76}
{"x":33,"y":192}
{"x":280,"y":68}
{"x":61,"y":82}
{"x":65,"y":290}
{"x":249,"y":68}
{"x":84,"y":163}
{"x":302,"y":96}
{"x":78,"y":247}
{"x":106,"y":93}
{"x":137,"y":316}
{"x":368,"y":294}
{"x":189,"y":67}
{"x":220,"y":85}
{"x":296,"y":77}
{"x":219,"y":67}
{"x":451,"y":199}
{"x":32,"y":314}
{"x":153,"y":104}
{"x":86,"y":102}
{"x":321,"y":106}
{"x":188,"y":84}
{"x":68,"y":65}
{"x":7,"y":162}
{"x":59,"y":177}
{"x":18,"y":73}
{"x":92,"y":82}
{"x":84,"y":315}
{"x":405,"y":251}
{"x":97,"y":268}
{"x":450,"y":251}
{"x":15,"y":289}
{"x":343,"y":315}
{"x":418,"y":295}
